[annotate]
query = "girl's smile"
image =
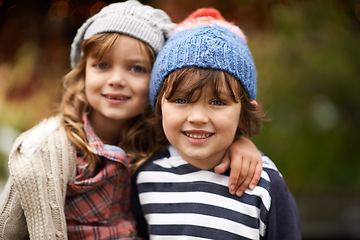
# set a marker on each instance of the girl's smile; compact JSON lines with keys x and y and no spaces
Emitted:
{"x":116,"y":98}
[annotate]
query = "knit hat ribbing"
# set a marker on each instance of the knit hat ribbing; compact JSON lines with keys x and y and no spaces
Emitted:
{"x":152,"y":26}
{"x":204,"y":42}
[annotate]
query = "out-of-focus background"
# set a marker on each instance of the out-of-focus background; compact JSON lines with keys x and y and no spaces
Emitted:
{"x":307,"y":54}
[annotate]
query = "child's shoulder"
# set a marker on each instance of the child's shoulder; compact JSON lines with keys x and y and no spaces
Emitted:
{"x":277,"y":185}
{"x":271,"y":172}
{"x":29,"y":141}
{"x":43,"y":151}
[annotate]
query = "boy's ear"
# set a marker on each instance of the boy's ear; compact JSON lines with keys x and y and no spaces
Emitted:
{"x":254,"y":103}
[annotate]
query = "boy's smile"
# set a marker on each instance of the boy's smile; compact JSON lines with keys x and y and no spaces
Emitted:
{"x":197,"y":134}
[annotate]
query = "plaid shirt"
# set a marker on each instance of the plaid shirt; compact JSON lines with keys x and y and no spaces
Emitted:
{"x":98,"y":203}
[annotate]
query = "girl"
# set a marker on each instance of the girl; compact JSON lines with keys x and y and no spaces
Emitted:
{"x":70,"y":175}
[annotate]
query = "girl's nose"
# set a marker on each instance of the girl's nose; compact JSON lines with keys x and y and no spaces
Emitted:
{"x":198,"y":114}
{"x":117,"y":78}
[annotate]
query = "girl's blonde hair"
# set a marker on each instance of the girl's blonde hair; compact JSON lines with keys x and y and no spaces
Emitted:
{"x":135,"y":138}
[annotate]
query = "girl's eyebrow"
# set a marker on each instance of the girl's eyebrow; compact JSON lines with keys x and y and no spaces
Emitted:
{"x":138,"y":60}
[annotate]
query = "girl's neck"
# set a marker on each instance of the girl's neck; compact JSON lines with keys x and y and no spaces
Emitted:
{"x":109,"y":131}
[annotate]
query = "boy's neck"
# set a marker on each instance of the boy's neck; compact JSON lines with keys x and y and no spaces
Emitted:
{"x":203,"y":163}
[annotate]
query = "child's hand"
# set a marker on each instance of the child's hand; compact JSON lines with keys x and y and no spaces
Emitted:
{"x":246,"y":165}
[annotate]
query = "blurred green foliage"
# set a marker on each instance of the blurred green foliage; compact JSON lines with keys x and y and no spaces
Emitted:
{"x":308,"y":81}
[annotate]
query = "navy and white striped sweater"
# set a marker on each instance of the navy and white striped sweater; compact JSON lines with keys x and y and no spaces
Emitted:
{"x":181,"y":201}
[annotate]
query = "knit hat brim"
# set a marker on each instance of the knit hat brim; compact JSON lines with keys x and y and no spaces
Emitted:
{"x":152,"y":26}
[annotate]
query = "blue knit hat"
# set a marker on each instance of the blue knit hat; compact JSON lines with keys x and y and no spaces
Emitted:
{"x":209,"y":44}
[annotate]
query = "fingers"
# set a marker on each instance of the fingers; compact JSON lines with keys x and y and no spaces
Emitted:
{"x":246,"y":175}
{"x":256,"y":177}
{"x":237,"y":175}
{"x":224,"y":165}
{"x":247,"y":179}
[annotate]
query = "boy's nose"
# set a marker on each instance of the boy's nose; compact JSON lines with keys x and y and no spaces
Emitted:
{"x":198,"y":114}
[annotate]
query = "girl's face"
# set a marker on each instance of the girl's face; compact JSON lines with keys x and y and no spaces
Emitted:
{"x":116,"y":87}
{"x":203,"y":127}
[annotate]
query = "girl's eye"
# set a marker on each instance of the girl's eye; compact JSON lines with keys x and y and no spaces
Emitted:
{"x":101,"y":65}
{"x":138,"y":69}
{"x":217,"y":103}
{"x":180,"y":101}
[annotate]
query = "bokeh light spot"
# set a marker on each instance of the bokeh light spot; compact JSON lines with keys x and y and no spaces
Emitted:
{"x":357,"y":11}
{"x":97,"y":7}
{"x":325,"y":115}
{"x":58,"y":10}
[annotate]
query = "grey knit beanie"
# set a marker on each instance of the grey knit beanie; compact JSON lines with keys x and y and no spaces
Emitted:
{"x":205,"y":40}
{"x":150,"y":25}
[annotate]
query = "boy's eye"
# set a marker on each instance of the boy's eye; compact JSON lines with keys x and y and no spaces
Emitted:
{"x":217,"y":103}
{"x":180,"y":101}
{"x":138,"y":69}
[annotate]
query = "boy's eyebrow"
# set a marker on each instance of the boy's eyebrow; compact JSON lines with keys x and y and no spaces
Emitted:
{"x":178,"y":93}
{"x":222,"y":92}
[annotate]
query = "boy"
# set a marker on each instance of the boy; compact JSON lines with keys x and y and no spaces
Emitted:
{"x":203,"y":88}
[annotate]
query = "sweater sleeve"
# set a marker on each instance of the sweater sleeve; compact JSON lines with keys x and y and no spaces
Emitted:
{"x":283,"y":219}
{"x":39,"y":171}
{"x":12,"y":218}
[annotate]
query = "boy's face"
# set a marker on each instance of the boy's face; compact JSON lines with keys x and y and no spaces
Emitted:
{"x":201,"y":130}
